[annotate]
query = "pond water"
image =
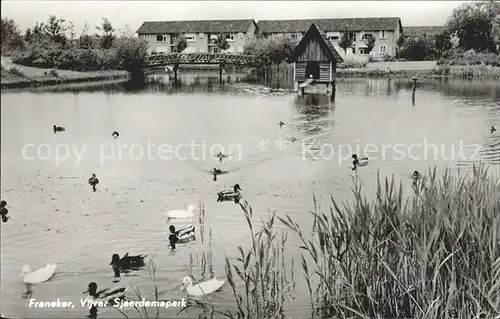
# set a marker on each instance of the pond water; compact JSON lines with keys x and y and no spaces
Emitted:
{"x":57,"y":218}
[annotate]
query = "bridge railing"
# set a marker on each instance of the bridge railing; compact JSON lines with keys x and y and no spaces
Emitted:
{"x":200,"y":58}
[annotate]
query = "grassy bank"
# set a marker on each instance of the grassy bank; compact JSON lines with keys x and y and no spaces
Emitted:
{"x":19,"y":76}
{"x":432,"y":254}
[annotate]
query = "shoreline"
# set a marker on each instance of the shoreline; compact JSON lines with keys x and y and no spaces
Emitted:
{"x":34,"y":77}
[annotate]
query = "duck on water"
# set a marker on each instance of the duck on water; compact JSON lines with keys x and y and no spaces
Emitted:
{"x":229,"y":195}
{"x":4,"y":211}
{"x":358,"y":161}
{"x":181,"y":236}
{"x":126,"y":263}
{"x":93,"y":181}
{"x":58,"y":128}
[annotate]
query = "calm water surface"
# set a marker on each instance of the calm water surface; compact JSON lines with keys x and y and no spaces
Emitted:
{"x":56,"y":218}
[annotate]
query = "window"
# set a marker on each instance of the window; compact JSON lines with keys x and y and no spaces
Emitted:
{"x":201,"y":35}
{"x":161,"y":38}
{"x":190,"y":37}
{"x":382,"y":49}
{"x":353,"y":37}
{"x":353,"y":50}
{"x":333,"y":38}
{"x":383,"y":34}
{"x":230,"y":37}
{"x":366,"y":36}
{"x":364,"y":51}
{"x":240,"y":35}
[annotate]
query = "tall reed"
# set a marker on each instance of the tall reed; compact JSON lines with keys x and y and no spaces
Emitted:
{"x":434,"y":255}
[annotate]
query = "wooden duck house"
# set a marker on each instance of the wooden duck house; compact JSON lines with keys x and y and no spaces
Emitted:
{"x":314,"y":62}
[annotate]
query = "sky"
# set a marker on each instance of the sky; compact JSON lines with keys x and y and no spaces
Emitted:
{"x":130,"y":14}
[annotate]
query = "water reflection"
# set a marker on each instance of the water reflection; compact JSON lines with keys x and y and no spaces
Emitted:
{"x":313,"y":110}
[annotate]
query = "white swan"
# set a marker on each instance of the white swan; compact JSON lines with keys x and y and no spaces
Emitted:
{"x":203,"y":288}
{"x":38,"y":276}
{"x":181,"y":213}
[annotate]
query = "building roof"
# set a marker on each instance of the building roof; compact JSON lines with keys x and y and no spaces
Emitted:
{"x":420,"y":31}
{"x":326,"y":46}
{"x":349,"y":24}
{"x":209,"y":26}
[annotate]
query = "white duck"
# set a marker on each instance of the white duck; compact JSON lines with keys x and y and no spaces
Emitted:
{"x":38,"y":276}
{"x":181,"y":213}
{"x":203,"y":288}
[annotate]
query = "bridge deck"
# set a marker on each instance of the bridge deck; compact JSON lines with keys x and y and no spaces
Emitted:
{"x":200,"y":58}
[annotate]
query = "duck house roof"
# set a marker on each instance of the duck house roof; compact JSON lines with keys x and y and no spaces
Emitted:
{"x":315,"y":33}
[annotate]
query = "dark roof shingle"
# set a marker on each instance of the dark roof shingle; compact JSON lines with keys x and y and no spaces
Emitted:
{"x":420,"y":31}
{"x":315,"y":31}
{"x":349,"y":24}
{"x":211,"y":26}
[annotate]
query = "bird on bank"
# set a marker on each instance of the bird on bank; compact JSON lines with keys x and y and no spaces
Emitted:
{"x":358,"y":161}
{"x":106,"y":294}
{"x":59,"y":128}
{"x":233,"y":195}
{"x":126,"y":262}
{"x":115,"y":134}
{"x":93,"y":181}
{"x":4,"y":211}
{"x":493,"y":129}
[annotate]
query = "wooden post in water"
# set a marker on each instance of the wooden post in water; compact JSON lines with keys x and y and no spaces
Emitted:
{"x":176,"y":68}
{"x":221,"y":69}
{"x":413,"y":90}
{"x":333,"y":88}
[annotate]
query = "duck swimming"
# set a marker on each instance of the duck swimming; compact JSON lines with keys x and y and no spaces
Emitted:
{"x":203,"y":288}
{"x":126,"y":262}
{"x":493,"y":129}
{"x":181,"y":236}
{"x":359,"y":161}
{"x":177,"y":213}
{"x":93,"y":181}
{"x":221,"y":156}
{"x":106,"y":295}
{"x":216,"y":172}
{"x":59,"y":128}
{"x":115,"y":134}
{"x":39,"y":275}
{"x":230,"y":195}
{"x":4,"y":211}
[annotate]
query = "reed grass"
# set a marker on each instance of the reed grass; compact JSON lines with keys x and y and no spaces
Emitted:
{"x":470,"y":71}
{"x":143,"y":312}
{"x":434,"y":255}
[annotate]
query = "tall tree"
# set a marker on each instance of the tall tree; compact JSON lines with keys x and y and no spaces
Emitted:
{"x":108,"y":37}
{"x":181,"y":43}
{"x":222,"y":43}
{"x":85,"y":39}
{"x":475,"y":25}
{"x":55,"y":29}
{"x":346,"y":41}
{"x":370,"y":42}
{"x":11,"y":36}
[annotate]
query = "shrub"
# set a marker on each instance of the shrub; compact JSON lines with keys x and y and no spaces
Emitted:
{"x":15,"y":71}
{"x":352,"y":65}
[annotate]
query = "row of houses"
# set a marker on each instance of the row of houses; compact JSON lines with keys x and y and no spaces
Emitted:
{"x":203,"y":35}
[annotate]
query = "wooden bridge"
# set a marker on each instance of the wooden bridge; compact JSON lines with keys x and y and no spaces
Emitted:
{"x":200,"y":58}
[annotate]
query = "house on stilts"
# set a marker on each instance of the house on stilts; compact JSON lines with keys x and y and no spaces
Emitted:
{"x":314,"y":63}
